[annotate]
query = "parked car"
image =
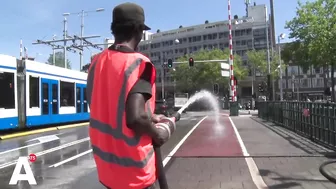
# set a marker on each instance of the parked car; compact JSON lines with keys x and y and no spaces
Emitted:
{"x":161,"y":107}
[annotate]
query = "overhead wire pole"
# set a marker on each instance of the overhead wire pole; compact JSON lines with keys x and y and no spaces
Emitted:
{"x":54,"y":52}
{"x":65,"y":42}
{"x":81,"y":41}
{"x":82,"y":38}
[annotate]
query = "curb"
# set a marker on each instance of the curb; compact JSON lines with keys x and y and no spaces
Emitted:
{"x":26,"y":133}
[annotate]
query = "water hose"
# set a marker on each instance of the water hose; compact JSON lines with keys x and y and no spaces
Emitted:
{"x":324,"y":173}
{"x":158,"y":159}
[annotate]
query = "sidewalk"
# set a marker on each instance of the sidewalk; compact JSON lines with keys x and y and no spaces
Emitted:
{"x":291,"y":161}
{"x":212,"y":158}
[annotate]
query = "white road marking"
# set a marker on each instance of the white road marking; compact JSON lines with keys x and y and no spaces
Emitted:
{"x":165,"y":161}
{"x":169,"y":156}
{"x":254,"y":171}
{"x":48,"y":151}
{"x":45,"y":139}
{"x":70,"y":159}
{"x":14,"y":149}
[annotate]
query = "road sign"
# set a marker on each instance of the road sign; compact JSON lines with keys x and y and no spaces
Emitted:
{"x":225,"y":72}
{"x":225,"y":66}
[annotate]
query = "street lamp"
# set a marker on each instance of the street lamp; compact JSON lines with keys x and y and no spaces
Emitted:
{"x":82,"y":14}
{"x":280,"y":37}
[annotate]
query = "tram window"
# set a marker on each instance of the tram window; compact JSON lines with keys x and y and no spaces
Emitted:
{"x":67,"y":94}
{"x":7,"y":94}
{"x":84,"y":91}
{"x":34,"y":91}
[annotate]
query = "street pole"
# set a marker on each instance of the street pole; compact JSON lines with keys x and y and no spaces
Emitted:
{"x":162,"y":82}
{"x":162,"y":60}
{"x":280,"y":64}
{"x":81,"y":40}
{"x":297,"y":90}
{"x":268,"y":57}
{"x":65,"y":33}
{"x":54,"y":53}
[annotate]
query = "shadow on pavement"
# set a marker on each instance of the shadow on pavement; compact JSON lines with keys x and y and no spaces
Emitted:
{"x":298,"y":141}
{"x":286,"y":182}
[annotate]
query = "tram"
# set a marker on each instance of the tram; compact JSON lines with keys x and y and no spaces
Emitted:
{"x":34,"y":94}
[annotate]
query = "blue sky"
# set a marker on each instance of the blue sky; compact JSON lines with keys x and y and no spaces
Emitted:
{"x":41,"y":19}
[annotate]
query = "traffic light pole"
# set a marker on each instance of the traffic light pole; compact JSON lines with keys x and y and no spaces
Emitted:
{"x":162,"y":82}
{"x":202,"y":61}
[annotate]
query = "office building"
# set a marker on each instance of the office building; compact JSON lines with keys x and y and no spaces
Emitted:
{"x":109,"y":42}
{"x":299,"y":83}
{"x":248,"y":32}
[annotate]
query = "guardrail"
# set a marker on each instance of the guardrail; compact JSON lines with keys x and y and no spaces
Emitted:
{"x":316,"y":121}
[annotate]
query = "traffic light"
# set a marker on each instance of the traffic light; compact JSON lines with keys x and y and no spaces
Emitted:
{"x":216,"y":88}
{"x":260,"y":88}
{"x":191,"y":62}
{"x":170,"y":63}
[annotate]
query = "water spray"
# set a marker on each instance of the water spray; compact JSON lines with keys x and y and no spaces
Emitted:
{"x":169,"y":124}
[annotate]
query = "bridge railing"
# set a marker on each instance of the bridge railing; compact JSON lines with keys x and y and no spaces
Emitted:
{"x":316,"y":121}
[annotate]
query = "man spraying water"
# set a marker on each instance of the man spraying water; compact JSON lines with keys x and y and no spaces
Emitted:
{"x":125,"y":134}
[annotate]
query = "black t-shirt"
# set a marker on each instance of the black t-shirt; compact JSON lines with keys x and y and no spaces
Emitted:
{"x":143,"y":85}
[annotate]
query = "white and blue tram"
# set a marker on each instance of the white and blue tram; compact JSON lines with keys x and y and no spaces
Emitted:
{"x":34,"y":94}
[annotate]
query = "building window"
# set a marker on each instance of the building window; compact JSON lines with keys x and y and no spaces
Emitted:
{"x":67,"y":93}
{"x":318,"y":82}
{"x":293,"y":70}
{"x":34,"y":92}
{"x":283,"y":83}
{"x":249,"y":31}
{"x":7,"y":94}
{"x":305,"y":83}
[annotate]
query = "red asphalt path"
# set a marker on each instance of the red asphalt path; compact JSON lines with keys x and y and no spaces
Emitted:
{"x":211,"y":140}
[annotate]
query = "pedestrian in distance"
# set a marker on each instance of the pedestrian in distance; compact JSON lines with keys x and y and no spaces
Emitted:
{"x":124,"y":131}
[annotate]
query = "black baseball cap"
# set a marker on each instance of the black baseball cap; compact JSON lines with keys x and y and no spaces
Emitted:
{"x":129,"y":13}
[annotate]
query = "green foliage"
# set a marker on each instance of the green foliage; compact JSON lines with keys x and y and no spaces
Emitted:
{"x":202,"y":75}
{"x":315,"y":31}
{"x":59,"y":60}
{"x":258,"y":61}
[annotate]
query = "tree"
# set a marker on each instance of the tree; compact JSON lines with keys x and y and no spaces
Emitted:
{"x":59,"y":60}
{"x":204,"y":75}
{"x":314,"y":29}
{"x":258,"y":62}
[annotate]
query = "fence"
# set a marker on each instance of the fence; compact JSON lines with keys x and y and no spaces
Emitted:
{"x":316,"y":121}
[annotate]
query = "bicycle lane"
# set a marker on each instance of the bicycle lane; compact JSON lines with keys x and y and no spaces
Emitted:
{"x":210,"y":158}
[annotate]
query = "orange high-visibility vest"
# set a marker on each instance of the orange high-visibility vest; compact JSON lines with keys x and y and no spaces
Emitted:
{"x":123,"y":159}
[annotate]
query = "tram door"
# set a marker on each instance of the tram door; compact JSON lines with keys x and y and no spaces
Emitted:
{"x":81,"y":102}
{"x":49,"y":94}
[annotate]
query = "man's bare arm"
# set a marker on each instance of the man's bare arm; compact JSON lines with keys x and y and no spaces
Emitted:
{"x":137,"y":118}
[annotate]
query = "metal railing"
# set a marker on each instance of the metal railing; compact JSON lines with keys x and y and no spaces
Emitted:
{"x":316,"y":121}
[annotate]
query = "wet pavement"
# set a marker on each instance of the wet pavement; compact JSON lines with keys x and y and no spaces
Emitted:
{"x":241,"y":152}
{"x":64,"y":158}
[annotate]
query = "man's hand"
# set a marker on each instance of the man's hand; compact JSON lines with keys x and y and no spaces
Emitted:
{"x":162,"y":137}
{"x":157,"y":117}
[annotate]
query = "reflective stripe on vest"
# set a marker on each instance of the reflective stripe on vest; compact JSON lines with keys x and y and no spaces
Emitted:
{"x":117,"y":131}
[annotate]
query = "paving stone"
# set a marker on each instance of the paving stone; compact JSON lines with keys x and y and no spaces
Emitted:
{"x":209,"y":173}
{"x":278,"y":156}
